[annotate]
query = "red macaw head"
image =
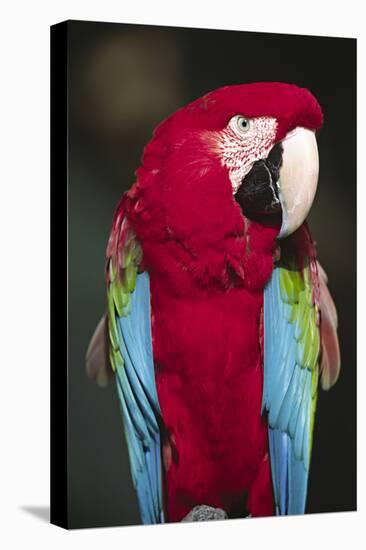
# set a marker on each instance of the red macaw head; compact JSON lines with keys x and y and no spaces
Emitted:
{"x":260,"y":136}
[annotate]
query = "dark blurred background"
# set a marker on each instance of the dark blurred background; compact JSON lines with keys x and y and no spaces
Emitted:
{"x":124,"y":79}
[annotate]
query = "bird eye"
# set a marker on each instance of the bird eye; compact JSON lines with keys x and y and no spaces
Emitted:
{"x":243,"y":124}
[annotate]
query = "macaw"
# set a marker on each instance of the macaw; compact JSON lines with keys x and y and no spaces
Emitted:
{"x":220,"y":323}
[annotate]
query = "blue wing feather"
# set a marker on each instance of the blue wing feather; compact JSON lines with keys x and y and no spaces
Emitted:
{"x":139,"y":401}
{"x":287,"y":395}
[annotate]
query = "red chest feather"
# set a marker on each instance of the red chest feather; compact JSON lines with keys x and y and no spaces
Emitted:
{"x":209,"y":381}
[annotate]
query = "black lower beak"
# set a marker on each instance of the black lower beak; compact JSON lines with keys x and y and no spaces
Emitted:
{"x":258,"y":192}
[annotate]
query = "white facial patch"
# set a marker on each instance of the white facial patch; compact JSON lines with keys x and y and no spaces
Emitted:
{"x":239,"y":149}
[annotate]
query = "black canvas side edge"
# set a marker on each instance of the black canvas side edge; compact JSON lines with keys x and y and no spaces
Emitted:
{"x":59,"y":269}
{"x":355,"y":275}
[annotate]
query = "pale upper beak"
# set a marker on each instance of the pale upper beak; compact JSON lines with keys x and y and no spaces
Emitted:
{"x":298,"y":178}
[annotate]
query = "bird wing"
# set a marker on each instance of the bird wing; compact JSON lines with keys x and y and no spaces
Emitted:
{"x":294,"y":357}
{"x":131,"y":357}
{"x":330,"y":363}
{"x":98,"y":367}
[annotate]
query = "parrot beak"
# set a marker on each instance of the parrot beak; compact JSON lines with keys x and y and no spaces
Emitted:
{"x":298,"y":178}
{"x":279,"y":190}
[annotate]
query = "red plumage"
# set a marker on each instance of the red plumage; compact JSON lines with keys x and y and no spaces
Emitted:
{"x":208,"y":266}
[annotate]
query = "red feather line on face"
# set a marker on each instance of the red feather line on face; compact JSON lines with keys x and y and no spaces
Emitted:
{"x":239,"y":152}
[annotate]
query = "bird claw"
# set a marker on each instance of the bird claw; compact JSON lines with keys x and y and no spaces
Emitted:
{"x":205,"y":513}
